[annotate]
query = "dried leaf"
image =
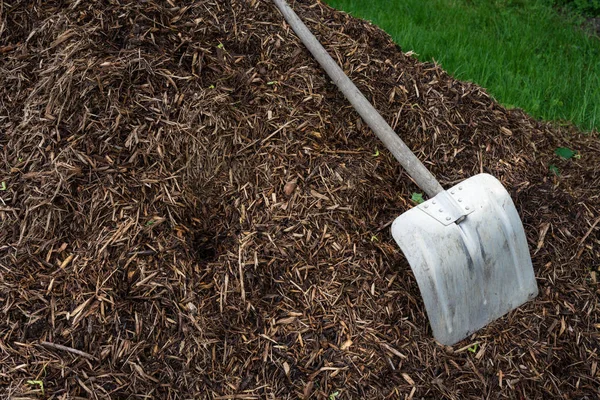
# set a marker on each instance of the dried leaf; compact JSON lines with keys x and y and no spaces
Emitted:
{"x":408,"y":379}
{"x":289,"y":187}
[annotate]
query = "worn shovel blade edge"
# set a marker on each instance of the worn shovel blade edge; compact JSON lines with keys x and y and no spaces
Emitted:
{"x":471,"y":273}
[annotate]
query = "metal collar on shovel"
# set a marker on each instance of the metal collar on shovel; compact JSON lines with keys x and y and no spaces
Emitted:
{"x":466,"y":245}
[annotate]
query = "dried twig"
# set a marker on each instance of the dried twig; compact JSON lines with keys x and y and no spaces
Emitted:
{"x":68,"y":349}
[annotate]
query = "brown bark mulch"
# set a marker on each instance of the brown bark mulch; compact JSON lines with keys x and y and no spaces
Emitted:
{"x":190,"y":209}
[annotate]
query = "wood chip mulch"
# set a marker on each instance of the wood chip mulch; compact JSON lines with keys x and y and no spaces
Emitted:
{"x":190,"y":209}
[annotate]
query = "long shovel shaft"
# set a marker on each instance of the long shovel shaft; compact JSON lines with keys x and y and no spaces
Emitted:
{"x":384,"y":132}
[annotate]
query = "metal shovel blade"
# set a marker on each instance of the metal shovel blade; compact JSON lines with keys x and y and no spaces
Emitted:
{"x":469,"y":272}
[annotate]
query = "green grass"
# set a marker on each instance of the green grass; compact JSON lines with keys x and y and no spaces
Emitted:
{"x":522,"y":51}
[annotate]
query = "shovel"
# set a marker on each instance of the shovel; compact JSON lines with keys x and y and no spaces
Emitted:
{"x":466,"y":245}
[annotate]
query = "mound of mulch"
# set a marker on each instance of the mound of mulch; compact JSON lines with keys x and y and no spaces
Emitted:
{"x":190,"y":209}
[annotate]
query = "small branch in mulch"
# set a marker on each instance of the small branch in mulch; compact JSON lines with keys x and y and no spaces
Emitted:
{"x":60,"y":347}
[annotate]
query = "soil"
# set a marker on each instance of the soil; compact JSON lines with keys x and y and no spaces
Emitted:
{"x":190,"y":209}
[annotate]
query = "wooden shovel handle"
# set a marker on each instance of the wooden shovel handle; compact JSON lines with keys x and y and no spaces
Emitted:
{"x":384,"y":132}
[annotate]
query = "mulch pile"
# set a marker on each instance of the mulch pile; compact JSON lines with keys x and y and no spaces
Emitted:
{"x":190,"y":209}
